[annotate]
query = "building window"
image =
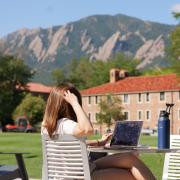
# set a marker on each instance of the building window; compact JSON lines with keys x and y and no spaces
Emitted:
{"x":109,"y":99}
{"x":147,"y":97}
{"x":162,"y":96}
{"x":126,"y":115}
{"x":139,"y":97}
{"x":89,"y":116}
{"x":148,"y":115}
{"x":96,"y":99}
{"x":96,"y":116}
{"x":140,"y":115}
{"x":125,"y":98}
{"x":89,"y":99}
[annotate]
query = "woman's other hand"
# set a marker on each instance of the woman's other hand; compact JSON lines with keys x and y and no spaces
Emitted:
{"x":105,"y":138}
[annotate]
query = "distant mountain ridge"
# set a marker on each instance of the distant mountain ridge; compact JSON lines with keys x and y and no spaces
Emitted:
{"x":98,"y":37}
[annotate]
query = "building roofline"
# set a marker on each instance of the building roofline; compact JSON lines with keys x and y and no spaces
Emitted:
{"x":130,"y":85}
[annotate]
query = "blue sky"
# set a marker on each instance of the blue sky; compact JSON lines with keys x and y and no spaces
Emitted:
{"x":17,"y":14}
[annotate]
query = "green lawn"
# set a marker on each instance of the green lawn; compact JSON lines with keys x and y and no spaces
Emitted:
{"x":21,"y":142}
{"x":153,"y":161}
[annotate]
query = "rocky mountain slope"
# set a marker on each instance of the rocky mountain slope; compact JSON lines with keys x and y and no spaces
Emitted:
{"x":98,"y":37}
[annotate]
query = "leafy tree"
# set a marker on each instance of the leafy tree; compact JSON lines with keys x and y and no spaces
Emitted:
{"x":158,"y":71}
{"x":176,"y":15}
{"x":175,"y":46}
{"x":32,"y":107}
{"x":58,"y":76}
{"x":85,"y":73}
{"x":122,"y":62}
{"x":14,"y":75}
{"x":110,"y":109}
{"x":80,"y":73}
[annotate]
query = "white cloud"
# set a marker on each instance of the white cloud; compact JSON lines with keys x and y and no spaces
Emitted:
{"x":176,"y":8}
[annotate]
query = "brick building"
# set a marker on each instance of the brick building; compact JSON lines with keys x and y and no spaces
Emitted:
{"x":143,"y":97}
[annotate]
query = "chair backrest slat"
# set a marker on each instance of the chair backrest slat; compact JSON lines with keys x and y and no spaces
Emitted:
{"x":69,"y":159}
{"x":65,"y":157}
{"x":171,"y":168}
{"x":64,"y":177}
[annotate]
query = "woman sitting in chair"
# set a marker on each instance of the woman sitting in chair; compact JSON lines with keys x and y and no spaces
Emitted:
{"x":64,"y":115}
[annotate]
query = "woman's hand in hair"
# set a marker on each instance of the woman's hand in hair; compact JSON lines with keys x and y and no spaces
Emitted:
{"x":84,"y":126}
{"x":70,"y":97}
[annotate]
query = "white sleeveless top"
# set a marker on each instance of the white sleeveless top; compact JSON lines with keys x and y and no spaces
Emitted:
{"x":64,"y":126}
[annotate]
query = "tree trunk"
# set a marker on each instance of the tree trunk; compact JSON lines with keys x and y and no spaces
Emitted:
{"x":100,"y":128}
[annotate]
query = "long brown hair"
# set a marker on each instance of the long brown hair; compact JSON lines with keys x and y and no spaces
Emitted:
{"x":57,"y":107}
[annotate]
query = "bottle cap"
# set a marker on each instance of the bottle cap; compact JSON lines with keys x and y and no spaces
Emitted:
{"x":164,"y":114}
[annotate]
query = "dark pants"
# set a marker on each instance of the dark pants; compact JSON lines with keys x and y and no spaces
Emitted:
{"x":96,"y":155}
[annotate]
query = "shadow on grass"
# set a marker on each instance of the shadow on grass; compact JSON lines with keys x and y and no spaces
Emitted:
{"x":32,"y":156}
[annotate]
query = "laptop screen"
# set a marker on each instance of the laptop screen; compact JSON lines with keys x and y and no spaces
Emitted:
{"x":126,"y":133}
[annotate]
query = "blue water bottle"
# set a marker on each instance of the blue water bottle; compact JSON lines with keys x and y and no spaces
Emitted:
{"x":164,"y":128}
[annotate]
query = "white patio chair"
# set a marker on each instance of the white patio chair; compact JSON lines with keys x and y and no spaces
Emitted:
{"x":171,"y":168}
{"x":64,"y":157}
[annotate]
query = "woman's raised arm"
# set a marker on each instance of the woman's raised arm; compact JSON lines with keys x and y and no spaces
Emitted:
{"x":84,"y":126}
